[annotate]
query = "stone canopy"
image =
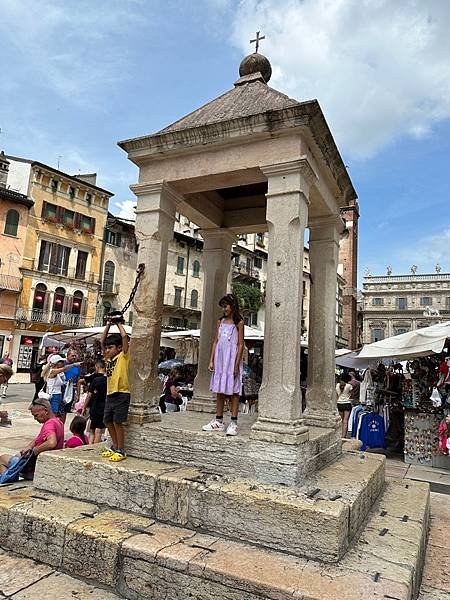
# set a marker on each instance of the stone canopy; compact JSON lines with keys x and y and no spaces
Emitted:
{"x":251,"y":160}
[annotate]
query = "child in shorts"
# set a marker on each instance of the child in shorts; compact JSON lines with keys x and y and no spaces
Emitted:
{"x":115,"y":349}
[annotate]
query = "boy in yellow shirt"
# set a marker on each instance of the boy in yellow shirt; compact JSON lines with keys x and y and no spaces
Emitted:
{"x":115,"y":350}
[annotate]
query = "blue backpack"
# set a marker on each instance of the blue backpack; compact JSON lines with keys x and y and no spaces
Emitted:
{"x":25,"y":464}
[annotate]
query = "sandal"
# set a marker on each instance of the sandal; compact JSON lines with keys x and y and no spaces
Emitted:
{"x":108,"y":452}
{"x":117,"y":457}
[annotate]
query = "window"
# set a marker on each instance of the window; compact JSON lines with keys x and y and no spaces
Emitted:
{"x":77,"y":303}
{"x":80,"y":271}
{"x":377,"y":301}
{"x":177,"y":299}
{"x":49,"y":211}
{"x":340,"y":310}
{"x":248,"y":265}
{"x":237,"y":259}
{"x":69,"y":218}
{"x":113,"y":237}
{"x":260,"y":239}
{"x":195,"y":269}
{"x":87,"y":224}
{"x":254,"y":318}
{"x":53,"y":258}
{"x":426,"y":301}
{"x":242,"y":237}
{"x":108,"y":276}
{"x":402,"y":303}
{"x":377,"y":334}
{"x":400,"y":330}
{"x":89,"y":198}
{"x":11,"y":223}
{"x":180,"y":265}
{"x":448,"y":303}
{"x":194,"y":299}
{"x":54,"y":185}
{"x":58,"y":304}
{"x":72,"y":192}
{"x":39,"y":296}
{"x":257,"y":262}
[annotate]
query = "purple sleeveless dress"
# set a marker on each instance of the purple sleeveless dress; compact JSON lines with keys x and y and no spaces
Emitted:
{"x":223,"y":380}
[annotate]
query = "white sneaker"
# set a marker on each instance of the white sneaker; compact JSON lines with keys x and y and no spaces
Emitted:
{"x":232,"y":428}
{"x":214,"y":425}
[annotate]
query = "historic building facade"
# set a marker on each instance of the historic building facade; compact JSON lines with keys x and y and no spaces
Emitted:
{"x":395,"y":304}
{"x":62,"y":254}
{"x":14,"y":209}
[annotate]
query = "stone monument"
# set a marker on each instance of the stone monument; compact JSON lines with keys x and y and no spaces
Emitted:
{"x":280,"y":511}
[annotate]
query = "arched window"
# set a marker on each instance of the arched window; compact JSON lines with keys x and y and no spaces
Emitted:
{"x":194,"y":299}
{"x":195,"y":269}
{"x":108,"y":276}
{"x":77,"y":302}
{"x":12,"y":222}
{"x":58,"y":303}
{"x":39,"y":296}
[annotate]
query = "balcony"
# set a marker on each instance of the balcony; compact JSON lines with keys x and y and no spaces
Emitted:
{"x":10,"y":283}
{"x":242,"y":269}
{"x":173,"y":301}
{"x":37,"y":315}
{"x":109,"y":289}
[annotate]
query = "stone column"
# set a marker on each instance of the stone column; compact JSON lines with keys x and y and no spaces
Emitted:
{"x":280,"y":406}
{"x":216,"y":268}
{"x":321,"y":407}
{"x":155,"y":216}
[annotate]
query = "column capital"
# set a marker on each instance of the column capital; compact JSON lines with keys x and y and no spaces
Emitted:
{"x":327,"y":222}
{"x":217,"y":237}
{"x":302,"y":166}
{"x":158,"y":189}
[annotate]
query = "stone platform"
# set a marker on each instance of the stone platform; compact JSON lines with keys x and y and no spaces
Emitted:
{"x":317,"y":519}
{"x":140,"y":558}
{"x":179,"y":438}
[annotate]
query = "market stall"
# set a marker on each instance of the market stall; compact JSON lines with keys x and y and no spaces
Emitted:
{"x":412,"y":397}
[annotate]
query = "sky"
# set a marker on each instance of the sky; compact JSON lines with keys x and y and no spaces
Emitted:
{"x":77,"y":76}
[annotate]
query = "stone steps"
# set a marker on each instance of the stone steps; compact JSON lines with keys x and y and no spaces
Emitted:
{"x":140,"y":558}
{"x":316,"y":520}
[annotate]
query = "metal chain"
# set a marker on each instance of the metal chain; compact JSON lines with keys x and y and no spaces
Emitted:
{"x":139,"y":273}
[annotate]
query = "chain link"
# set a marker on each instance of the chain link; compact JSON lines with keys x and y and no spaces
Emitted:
{"x":139,"y":273}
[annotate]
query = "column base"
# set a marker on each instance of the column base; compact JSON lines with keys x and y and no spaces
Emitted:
{"x":281,"y":432}
{"x":318,"y":418}
{"x":205,"y":403}
{"x":140,"y":414}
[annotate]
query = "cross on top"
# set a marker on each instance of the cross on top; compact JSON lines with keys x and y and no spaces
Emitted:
{"x":257,"y":40}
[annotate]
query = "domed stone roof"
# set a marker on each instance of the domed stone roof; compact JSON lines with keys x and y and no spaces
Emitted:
{"x":256,"y":63}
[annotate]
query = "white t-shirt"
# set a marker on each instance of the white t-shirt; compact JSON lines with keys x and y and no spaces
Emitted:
{"x":343,"y":395}
{"x":54,"y":384}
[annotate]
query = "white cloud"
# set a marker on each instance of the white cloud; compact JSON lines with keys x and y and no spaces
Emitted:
{"x":379,"y":68}
{"x":72,"y":48}
{"x":428,"y":251}
{"x":126,"y":209}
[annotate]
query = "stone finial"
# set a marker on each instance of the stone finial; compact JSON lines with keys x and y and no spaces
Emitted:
{"x":256,"y":63}
{"x":414,"y":269}
{"x":438,"y":268}
{"x":367,"y":272}
{"x":389,"y":270}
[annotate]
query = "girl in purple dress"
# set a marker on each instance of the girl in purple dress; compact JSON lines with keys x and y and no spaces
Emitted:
{"x":226,"y":364}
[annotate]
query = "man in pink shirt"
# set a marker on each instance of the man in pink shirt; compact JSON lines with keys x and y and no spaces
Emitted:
{"x":50,"y":437}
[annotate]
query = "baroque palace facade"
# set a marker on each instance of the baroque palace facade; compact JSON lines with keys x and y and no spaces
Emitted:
{"x":395,"y":304}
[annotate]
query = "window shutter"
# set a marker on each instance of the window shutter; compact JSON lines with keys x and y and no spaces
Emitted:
{"x":59,"y":214}
{"x":77,"y":220}
{"x":44,"y":210}
{"x":92,"y":225}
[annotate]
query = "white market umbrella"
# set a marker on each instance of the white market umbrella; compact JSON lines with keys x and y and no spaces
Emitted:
{"x":421,"y":342}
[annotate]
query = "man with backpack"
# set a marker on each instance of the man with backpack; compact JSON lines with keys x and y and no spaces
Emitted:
{"x":50,"y":437}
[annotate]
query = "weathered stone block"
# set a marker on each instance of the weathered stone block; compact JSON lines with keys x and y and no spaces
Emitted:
{"x":92,"y":545}
{"x":12,"y":495}
{"x":85,"y":475}
{"x":37,"y":529}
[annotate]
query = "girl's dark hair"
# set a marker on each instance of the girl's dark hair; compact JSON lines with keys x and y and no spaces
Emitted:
{"x":78,"y":425}
{"x":232,"y":301}
{"x":345,"y":378}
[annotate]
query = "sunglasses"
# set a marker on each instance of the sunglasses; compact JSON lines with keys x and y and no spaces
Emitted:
{"x":36,"y":403}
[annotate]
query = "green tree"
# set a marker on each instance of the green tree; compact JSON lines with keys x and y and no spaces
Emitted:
{"x":250,"y":298}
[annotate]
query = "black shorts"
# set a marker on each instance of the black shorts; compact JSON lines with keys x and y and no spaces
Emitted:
{"x":344,"y":406}
{"x":116,"y":407}
{"x":96,"y":421}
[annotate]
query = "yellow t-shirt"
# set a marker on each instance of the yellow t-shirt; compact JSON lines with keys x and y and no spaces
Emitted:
{"x":117,"y":374}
